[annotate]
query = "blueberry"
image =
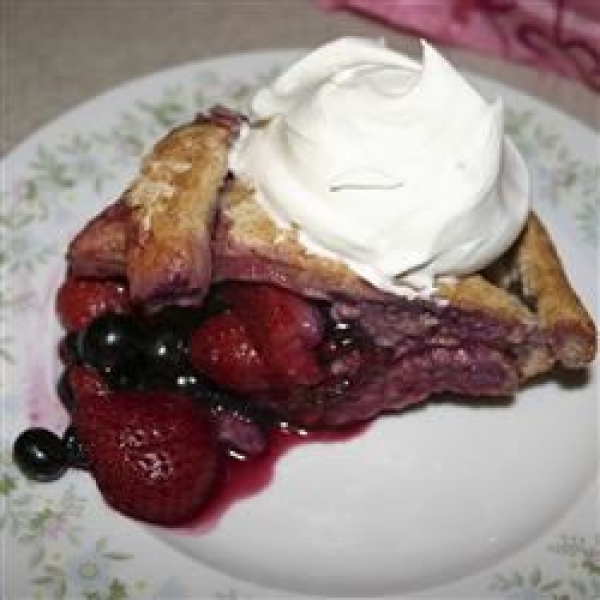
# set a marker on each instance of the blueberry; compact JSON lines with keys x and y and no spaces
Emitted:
{"x":184,"y":381}
{"x":188,"y":382}
{"x":166,"y":348}
{"x":74,"y":449}
{"x":40,"y":454}
{"x":130,"y":374}
{"x":343,"y":333}
{"x":110,"y":340}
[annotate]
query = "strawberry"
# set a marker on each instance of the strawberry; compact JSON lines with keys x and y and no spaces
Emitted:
{"x":222,"y":349}
{"x":284,"y":328}
{"x":78,"y":381}
{"x":153,"y":455}
{"x":79,"y":301}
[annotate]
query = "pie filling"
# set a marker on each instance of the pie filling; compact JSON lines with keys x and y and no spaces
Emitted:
{"x":328,"y":364}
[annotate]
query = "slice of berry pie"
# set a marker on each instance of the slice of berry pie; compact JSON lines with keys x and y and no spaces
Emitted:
{"x":363,"y":242}
{"x":353,"y":350}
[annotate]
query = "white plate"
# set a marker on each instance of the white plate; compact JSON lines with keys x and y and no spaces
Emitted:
{"x":445,"y":501}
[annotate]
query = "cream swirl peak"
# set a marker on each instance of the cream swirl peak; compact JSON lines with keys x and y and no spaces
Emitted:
{"x":402,"y":171}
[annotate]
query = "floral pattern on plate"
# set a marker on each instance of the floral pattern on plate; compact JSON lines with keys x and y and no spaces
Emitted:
{"x":56,"y":544}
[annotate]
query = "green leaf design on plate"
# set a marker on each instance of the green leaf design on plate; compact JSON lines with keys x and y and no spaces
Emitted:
{"x":524,"y":585}
{"x":536,"y":577}
{"x":169,"y":111}
{"x":550,"y":586}
{"x":47,"y":168}
{"x":7,"y":484}
{"x":78,"y":168}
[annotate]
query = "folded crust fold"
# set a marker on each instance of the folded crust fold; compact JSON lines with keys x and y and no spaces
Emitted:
{"x":172,"y":203}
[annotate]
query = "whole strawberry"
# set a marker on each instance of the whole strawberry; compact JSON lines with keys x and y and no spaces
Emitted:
{"x":80,"y":300}
{"x":222,"y":349}
{"x":284,"y":327}
{"x":154,"y":455}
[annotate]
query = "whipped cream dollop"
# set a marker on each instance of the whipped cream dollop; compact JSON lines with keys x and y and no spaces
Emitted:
{"x":399,"y":169}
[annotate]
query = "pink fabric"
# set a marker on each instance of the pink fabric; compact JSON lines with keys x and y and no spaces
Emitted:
{"x":560,"y":35}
